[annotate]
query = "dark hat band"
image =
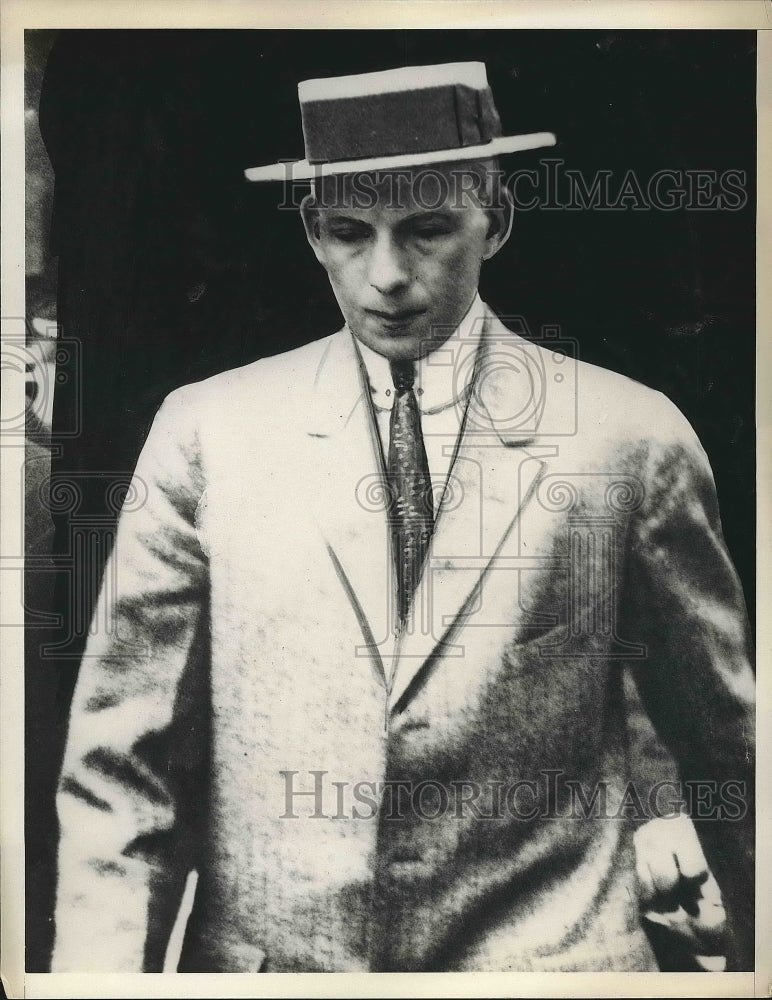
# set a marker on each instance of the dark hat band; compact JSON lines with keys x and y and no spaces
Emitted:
{"x":391,"y":124}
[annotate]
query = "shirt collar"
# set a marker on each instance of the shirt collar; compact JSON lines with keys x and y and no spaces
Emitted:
{"x":442,"y":377}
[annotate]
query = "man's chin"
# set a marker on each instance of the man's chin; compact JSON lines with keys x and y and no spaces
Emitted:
{"x":401,"y":344}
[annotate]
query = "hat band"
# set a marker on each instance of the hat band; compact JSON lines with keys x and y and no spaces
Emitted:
{"x":392,"y":124}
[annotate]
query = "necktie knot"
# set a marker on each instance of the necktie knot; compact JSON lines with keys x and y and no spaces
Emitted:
{"x":403,"y":375}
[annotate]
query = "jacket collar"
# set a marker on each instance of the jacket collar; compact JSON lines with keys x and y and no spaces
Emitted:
{"x":505,"y":402}
{"x":443,"y":376}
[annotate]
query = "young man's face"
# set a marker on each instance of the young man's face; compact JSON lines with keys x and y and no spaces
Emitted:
{"x":405,"y":267}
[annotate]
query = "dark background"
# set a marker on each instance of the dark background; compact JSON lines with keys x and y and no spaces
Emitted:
{"x":166,"y":266}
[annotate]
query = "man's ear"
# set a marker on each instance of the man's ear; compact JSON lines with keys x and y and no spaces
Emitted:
{"x":499,"y":224}
{"x":309,"y":213}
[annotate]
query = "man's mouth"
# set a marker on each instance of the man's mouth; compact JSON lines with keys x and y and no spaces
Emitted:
{"x":397,"y":318}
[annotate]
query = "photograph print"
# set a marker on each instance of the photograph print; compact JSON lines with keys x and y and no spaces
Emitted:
{"x":389,"y":500}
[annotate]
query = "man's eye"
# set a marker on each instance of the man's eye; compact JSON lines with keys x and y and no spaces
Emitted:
{"x":348,"y":235}
{"x":430,"y":231}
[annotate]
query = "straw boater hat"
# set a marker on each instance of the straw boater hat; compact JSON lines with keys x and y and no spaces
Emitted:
{"x":398,"y":118}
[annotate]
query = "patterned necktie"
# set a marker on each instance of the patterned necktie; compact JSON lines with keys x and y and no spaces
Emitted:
{"x":412,"y":513}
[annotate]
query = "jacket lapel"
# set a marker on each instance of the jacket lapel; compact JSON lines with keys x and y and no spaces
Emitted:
{"x":494,"y":476}
{"x":346,"y":494}
{"x":495,"y":483}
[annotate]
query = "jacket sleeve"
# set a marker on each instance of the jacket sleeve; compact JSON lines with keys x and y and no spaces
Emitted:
{"x":137,"y":741}
{"x":684,"y":603}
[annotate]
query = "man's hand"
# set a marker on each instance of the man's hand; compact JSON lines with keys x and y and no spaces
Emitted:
{"x":679,"y":896}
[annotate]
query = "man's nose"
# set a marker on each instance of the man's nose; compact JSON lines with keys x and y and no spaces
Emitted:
{"x":388,"y":267}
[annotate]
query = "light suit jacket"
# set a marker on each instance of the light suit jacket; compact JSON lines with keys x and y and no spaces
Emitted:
{"x":244,"y":654}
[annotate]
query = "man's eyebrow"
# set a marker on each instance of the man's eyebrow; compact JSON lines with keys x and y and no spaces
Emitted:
{"x":429,"y":213}
{"x":336,"y":216}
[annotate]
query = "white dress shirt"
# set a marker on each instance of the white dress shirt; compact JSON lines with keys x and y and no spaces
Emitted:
{"x":443,"y":381}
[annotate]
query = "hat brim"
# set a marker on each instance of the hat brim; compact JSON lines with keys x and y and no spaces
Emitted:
{"x":302,"y":170}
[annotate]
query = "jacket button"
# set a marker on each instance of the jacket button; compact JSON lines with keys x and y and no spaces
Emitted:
{"x":418,"y":723}
{"x":405,"y":858}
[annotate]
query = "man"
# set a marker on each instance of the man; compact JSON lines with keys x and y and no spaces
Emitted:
{"x":363,"y":666}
